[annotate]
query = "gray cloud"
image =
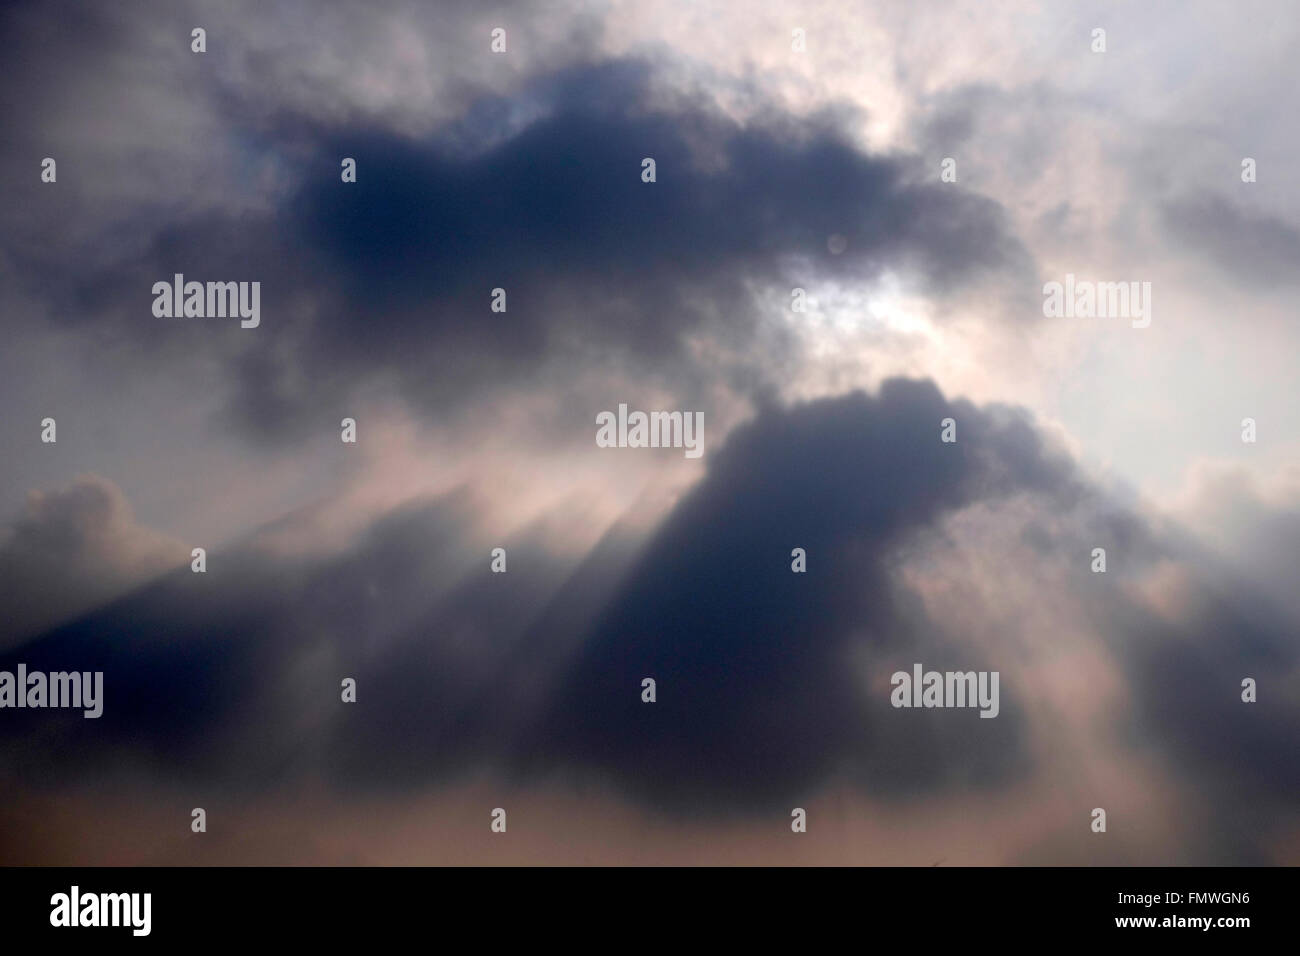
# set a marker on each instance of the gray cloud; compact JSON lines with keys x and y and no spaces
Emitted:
{"x":1253,"y":248}
{"x":771,"y":685}
{"x":72,"y":549}
{"x":537,"y":192}
{"x":457,"y":678}
{"x":523,"y":172}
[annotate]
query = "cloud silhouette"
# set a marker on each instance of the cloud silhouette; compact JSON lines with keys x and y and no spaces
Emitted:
{"x":73,"y":548}
{"x":390,"y":278}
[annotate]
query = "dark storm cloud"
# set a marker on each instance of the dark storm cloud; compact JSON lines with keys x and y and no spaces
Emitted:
{"x":563,"y":198}
{"x":599,"y":266}
{"x":1250,"y":247}
{"x":536,"y":192}
{"x":769,"y":681}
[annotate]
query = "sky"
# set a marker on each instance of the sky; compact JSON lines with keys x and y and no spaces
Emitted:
{"x":854,"y":216}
